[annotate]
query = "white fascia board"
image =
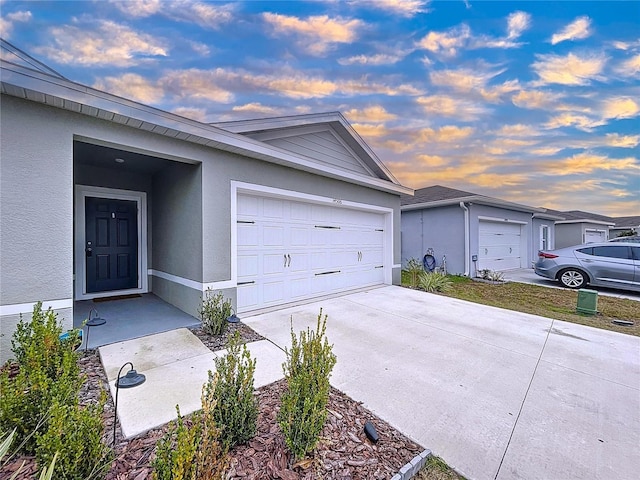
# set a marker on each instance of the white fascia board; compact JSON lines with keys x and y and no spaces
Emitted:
{"x":477,"y":199}
{"x":586,"y":220}
{"x":201,"y":133}
{"x":547,"y":216}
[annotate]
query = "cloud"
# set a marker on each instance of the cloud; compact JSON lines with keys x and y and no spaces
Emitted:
{"x":622,"y":141}
{"x":198,"y":84}
{"x":517,"y":22}
{"x":197,"y":114}
{"x":630,"y":67}
{"x":620,"y":107}
{"x":576,"y":30}
{"x":373,"y":114}
{"x":101,"y":43}
{"x":316,"y":34}
{"x":139,"y":8}
{"x":404,"y":8}
{"x":495,"y":93}
{"x":7,"y":24}
{"x":446,"y":43}
{"x":371,"y":131}
{"x":375,"y":59}
{"x":432,"y":161}
{"x":535,"y":99}
{"x":452,"y":107}
{"x":206,"y":15}
{"x":502,"y":146}
{"x":200,"y":48}
{"x":132,"y":86}
{"x":256,"y":107}
{"x":570,"y":69}
{"x":517,"y":130}
{"x":586,"y":163}
{"x":445,"y":134}
{"x":462,"y":80}
{"x":568,"y":119}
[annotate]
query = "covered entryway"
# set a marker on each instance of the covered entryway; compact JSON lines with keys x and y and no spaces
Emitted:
{"x":500,"y":245}
{"x":292,"y":250}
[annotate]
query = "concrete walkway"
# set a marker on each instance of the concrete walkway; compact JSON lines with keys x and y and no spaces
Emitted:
{"x":497,"y":394}
{"x":176,"y":365}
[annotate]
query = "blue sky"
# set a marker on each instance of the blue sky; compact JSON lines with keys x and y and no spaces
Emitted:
{"x":533,"y":102}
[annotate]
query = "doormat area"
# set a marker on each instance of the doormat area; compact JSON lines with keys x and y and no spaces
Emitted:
{"x":117,"y":297}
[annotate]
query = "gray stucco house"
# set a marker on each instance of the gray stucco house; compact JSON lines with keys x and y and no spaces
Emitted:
{"x":577,"y":227}
{"x":624,"y":225}
{"x":473,"y":231}
{"x":102,"y":196}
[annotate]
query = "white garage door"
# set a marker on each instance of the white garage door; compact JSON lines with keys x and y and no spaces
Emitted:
{"x":594,"y":236}
{"x":499,"y":245}
{"x":290,"y":251}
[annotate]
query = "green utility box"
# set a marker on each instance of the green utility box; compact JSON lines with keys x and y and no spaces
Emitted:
{"x":587,"y":301}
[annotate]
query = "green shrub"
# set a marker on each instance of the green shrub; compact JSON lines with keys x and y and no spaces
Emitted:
{"x":192,"y":451}
{"x":214,"y":312}
{"x":48,"y":373}
{"x":236,"y":410}
{"x":304,"y":403}
{"x":434,"y":282}
{"x":74,"y":433}
{"x":413,"y":269}
{"x":5,"y":445}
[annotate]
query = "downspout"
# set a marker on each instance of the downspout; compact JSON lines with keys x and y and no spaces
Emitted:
{"x":467,"y":247}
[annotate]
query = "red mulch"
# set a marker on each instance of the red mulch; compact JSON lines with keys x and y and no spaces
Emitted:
{"x":343,"y":452}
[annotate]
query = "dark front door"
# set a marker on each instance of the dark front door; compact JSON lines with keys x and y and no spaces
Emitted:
{"x":111,"y":248}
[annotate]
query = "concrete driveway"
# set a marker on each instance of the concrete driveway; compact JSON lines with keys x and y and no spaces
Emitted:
{"x":497,"y":394}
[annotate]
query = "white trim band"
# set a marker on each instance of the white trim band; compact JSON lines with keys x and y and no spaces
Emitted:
{"x":18,"y":308}
{"x":201,"y":287}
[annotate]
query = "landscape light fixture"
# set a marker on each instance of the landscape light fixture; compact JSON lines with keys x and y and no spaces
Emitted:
{"x":233,"y":318}
{"x":93,"y":322}
{"x":130,"y":380}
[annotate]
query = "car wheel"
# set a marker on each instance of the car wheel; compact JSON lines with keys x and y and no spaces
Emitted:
{"x":572,"y":278}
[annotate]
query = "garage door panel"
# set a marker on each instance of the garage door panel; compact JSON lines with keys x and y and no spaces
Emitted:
{"x":248,"y":235}
{"x":273,"y":235}
{"x":248,"y":265}
{"x":296,"y":250}
{"x":499,"y":245}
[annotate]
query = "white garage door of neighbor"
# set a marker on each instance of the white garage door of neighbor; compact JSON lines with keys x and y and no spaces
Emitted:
{"x":594,"y":236}
{"x":290,"y":251}
{"x":499,"y":245}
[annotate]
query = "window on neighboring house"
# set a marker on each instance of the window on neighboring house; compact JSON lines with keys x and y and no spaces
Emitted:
{"x":544,"y":237}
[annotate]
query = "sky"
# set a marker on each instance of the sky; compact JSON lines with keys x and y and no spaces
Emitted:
{"x":531,"y":102}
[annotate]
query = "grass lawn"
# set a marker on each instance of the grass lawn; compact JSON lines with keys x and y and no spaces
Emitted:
{"x":436,"y":469}
{"x":546,"y":302}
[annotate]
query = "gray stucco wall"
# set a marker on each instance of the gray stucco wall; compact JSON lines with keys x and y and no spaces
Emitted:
{"x":439,"y":228}
{"x":570,"y":234}
{"x":37,"y":186}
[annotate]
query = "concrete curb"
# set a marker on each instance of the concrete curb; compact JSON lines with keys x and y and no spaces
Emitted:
{"x":413,"y":467}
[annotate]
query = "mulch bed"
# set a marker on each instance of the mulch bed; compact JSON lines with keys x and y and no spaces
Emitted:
{"x":343,"y":452}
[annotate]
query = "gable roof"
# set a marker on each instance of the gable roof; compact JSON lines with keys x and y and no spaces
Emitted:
{"x":37,"y":85}
{"x":579,"y":216}
{"x":439,"y":196}
{"x":627,"y":222}
{"x":273,"y":129}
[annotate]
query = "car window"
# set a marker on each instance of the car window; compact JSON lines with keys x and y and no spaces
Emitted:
{"x":636,"y":253}
{"x":613,"y":251}
{"x":586,"y":251}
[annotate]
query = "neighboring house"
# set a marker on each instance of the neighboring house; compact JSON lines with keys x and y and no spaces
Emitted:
{"x":473,"y":231}
{"x":623,"y":225}
{"x":578,"y":227}
{"x":102,"y":196}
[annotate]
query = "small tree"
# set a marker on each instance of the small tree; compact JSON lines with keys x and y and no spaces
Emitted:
{"x":304,"y":403}
{"x":236,"y":410}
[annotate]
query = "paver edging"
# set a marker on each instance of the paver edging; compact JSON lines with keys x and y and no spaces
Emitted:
{"x":413,"y":467}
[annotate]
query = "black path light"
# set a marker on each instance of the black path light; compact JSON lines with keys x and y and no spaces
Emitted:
{"x":233,"y":318}
{"x":130,"y":380}
{"x":93,"y":322}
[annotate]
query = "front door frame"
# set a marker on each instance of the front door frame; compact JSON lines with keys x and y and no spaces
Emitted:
{"x":83,"y":191}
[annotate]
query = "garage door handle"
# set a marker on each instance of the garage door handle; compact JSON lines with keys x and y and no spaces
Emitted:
{"x":510,"y":250}
{"x":289,"y":257}
{"x":285,"y":260}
